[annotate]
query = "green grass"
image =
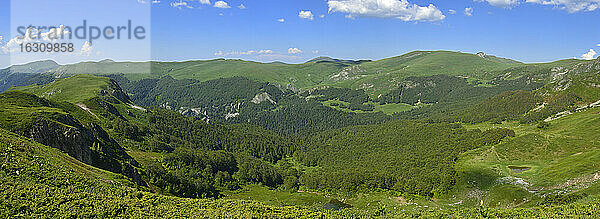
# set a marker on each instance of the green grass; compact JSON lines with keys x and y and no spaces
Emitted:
{"x":75,"y":89}
{"x":376,"y":77}
{"x":38,"y":181}
{"x":20,"y":110}
{"x":278,"y":198}
{"x":145,"y":158}
{"x":388,"y":109}
{"x":388,"y":73}
{"x":383,"y":75}
{"x":300,"y":75}
{"x":568,"y":149}
{"x":392,"y":108}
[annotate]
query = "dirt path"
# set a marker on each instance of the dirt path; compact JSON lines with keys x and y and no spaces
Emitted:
{"x":579,"y":181}
{"x":400,"y":200}
{"x":84,"y":107}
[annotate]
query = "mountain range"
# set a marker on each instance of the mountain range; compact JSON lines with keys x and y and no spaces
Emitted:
{"x":425,"y":134}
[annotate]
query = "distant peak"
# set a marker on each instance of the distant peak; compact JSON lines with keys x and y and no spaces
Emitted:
{"x":42,"y":62}
{"x":321,"y":59}
{"x":34,"y":67}
{"x":107,"y":61}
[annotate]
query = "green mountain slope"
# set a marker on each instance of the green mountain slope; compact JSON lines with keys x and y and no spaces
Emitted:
{"x":426,"y":63}
{"x":198,"y":159}
{"x":319,"y":71}
{"x":66,"y":127}
{"x":560,"y":158}
{"x":381,"y":76}
{"x":300,"y":75}
{"x":78,"y":88}
{"x":376,"y":77}
{"x":27,"y":74}
{"x":543,"y":170}
{"x":332,"y":60}
{"x":38,"y":181}
{"x":34,"y":67}
{"x":240,"y":100}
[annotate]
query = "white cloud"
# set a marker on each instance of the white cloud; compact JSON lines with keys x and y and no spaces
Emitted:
{"x":570,"y":6}
{"x":249,"y":52}
{"x":400,"y":9}
{"x":205,"y":2}
{"x":221,"y":4}
{"x":280,"y":20}
{"x":180,"y":5}
{"x":501,"y":3}
{"x":155,"y":1}
{"x":451,"y":11}
{"x":589,"y":55}
{"x":306,"y":15}
{"x":294,"y":51}
{"x":242,"y":6}
{"x":1,"y":39}
{"x":141,"y":1}
{"x":315,"y":52}
{"x":268,"y":51}
{"x":86,"y":49}
{"x":35,"y":35}
{"x":469,"y":11}
{"x":322,"y":16}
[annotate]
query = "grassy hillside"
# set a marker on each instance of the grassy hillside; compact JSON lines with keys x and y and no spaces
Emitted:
{"x":66,"y":127}
{"x":298,"y":75}
{"x":241,"y":100}
{"x":561,"y":157}
{"x":38,"y":181}
{"x":396,"y":169}
{"x":380,"y":76}
{"x":375,"y":77}
{"x":403,"y":156}
{"x":75,"y":89}
{"x":383,"y":74}
{"x":426,"y":63}
{"x":178,"y":155}
{"x":33,"y":67}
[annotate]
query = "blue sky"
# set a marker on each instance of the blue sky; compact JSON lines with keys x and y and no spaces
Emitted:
{"x":525,"y":30}
{"x":72,"y":14}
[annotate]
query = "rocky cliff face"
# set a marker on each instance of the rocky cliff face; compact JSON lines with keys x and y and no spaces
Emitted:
{"x":59,"y":126}
{"x":262,"y":97}
{"x":71,"y":138}
{"x":114,"y":91}
{"x":91,"y":145}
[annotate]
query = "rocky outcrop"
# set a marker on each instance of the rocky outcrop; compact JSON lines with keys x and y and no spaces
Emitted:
{"x":90,"y":145}
{"x":115,"y":91}
{"x":52,"y":125}
{"x":262,"y":97}
{"x":74,"y":141}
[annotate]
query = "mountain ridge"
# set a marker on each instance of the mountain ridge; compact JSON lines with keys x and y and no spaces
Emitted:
{"x":497,"y":164}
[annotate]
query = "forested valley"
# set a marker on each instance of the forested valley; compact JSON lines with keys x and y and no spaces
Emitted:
{"x":430,"y":146}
